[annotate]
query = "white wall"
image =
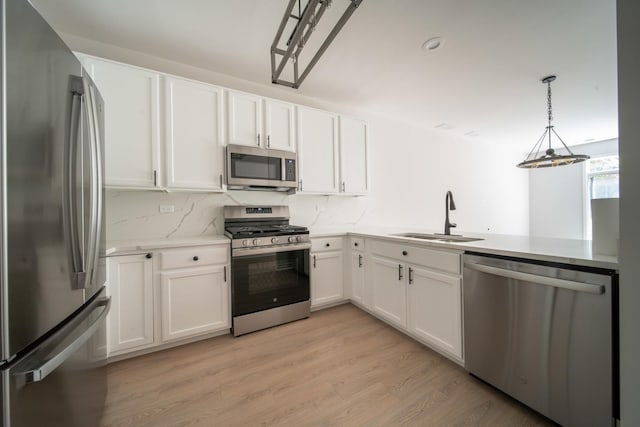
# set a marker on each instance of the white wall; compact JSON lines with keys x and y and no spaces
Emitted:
{"x":412,"y":168}
{"x":557,"y":196}
{"x":629,"y":125}
{"x":556,"y":202}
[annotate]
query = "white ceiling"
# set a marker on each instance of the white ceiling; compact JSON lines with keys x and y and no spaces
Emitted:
{"x":485,"y":79}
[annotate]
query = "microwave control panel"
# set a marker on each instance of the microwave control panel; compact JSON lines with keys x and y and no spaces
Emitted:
{"x":290,"y":169}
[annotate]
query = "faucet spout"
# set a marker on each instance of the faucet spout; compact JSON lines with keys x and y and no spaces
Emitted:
{"x":449,"y":204}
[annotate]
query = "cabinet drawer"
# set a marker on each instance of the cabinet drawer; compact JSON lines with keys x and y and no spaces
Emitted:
{"x":356,"y":243}
{"x":193,"y":257}
{"x":326,"y":244}
{"x":443,"y":260}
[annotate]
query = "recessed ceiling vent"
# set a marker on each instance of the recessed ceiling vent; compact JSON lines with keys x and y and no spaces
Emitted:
{"x":302,"y":23}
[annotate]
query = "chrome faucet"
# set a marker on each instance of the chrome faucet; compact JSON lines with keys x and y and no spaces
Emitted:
{"x":448,"y":204}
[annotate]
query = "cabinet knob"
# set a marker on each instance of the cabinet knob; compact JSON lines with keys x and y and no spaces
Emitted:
{"x":327,"y":245}
{"x":148,"y":256}
{"x":195,"y":258}
{"x":404,"y":253}
{"x":355,"y":244}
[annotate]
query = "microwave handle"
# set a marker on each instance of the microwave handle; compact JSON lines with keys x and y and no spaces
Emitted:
{"x":283,"y":169}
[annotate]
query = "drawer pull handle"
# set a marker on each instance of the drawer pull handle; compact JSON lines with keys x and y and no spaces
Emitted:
{"x":328,"y":244}
{"x":195,"y":258}
{"x":148,"y":256}
{"x":404,"y":253}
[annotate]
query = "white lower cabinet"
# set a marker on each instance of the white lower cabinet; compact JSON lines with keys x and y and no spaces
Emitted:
{"x":326,"y":272}
{"x":419,"y":290}
{"x":167,"y":295}
{"x":434,"y":309}
{"x":389,"y":290}
{"x":130,"y":320}
{"x":194,"y":301}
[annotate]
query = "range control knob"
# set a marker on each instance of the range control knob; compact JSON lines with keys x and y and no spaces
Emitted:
{"x":291,"y":239}
{"x":245,"y":243}
{"x":256,"y":242}
{"x":298,"y":238}
{"x":274,"y":240}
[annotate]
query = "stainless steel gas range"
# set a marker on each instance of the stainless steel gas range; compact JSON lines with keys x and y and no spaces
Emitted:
{"x":270,"y":267}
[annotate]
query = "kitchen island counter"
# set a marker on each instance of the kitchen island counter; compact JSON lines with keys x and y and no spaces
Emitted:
{"x":566,"y":251}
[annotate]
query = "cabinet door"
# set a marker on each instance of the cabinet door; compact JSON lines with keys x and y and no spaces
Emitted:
{"x":279,"y":125}
{"x":354,"y":166}
{"x":326,"y":278}
{"x":194,"y":301}
{"x":194,"y":152}
{"x":317,"y":151}
{"x":244,"y":119}
{"x":435,"y":309}
{"x":389,"y":290}
{"x":131,"y":117}
{"x":130,"y":320}
{"x":357,"y":277}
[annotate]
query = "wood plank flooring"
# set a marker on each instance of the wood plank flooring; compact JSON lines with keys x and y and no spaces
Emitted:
{"x":341,"y":367}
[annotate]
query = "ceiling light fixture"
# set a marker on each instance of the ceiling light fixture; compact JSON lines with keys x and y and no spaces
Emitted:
{"x":305,"y":23}
{"x":550,"y":158}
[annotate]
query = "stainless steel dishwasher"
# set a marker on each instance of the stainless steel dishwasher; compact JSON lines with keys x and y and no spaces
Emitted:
{"x":544,"y":333}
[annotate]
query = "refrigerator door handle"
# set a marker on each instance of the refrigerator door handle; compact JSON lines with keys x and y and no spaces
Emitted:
{"x":70,"y":195}
{"x":41,"y":371}
{"x":97,"y":179}
{"x":92,"y":244}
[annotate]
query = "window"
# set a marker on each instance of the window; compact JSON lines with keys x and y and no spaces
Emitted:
{"x":603,"y":176}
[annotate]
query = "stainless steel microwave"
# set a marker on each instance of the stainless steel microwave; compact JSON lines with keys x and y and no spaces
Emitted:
{"x":251,"y":168}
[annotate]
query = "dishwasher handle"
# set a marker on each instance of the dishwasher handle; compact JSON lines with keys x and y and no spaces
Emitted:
{"x":542,"y":280}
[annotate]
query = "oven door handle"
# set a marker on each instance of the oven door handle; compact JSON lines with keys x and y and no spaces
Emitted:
{"x":240,"y":252}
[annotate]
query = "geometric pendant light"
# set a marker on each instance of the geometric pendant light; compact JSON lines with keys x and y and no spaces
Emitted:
{"x":549,"y":158}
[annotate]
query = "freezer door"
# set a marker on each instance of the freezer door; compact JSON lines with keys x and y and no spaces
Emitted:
{"x":63,"y":381}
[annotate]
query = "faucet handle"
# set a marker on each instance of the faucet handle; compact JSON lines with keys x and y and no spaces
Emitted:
{"x":452,"y":225}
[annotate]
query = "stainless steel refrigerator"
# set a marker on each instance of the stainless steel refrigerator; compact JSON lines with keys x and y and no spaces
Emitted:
{"x":52,"y":299}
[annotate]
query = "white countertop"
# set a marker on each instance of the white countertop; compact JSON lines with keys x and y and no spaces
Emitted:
{"x":567,"y":251}
{"x":119,"y":247}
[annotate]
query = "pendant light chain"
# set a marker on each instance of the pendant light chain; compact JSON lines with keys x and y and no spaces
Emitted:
{"x":549,"y":108}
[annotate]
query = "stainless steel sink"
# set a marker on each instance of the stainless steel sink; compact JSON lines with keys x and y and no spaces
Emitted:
{"x":438,"y":237}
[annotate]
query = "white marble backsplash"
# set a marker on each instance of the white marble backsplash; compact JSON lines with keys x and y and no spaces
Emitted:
{"x":136,"y":214}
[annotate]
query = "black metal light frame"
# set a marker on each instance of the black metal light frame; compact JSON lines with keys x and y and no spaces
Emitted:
{"x":306,"y":21}
{"x":550,"y":158}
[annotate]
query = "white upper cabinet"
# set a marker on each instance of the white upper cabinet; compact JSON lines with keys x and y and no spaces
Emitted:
{"x":244,"y":112}
{"x":132,"y":137}
{"x":317,"y":151}
{"x":258,"y":122}
{"x":194,"y":152}
{"x":354,"y":165}
{"x":279,"y":125}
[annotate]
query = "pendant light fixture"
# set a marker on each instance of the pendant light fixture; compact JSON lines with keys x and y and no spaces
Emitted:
{"x":550,"y":158}
{"x":304,"y":24}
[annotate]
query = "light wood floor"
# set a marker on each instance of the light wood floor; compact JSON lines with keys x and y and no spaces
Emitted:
{"x":341,"y":367}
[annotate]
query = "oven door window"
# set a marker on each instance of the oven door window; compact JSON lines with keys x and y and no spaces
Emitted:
{"x":260,"y":282}
{"x":255,"y":167}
